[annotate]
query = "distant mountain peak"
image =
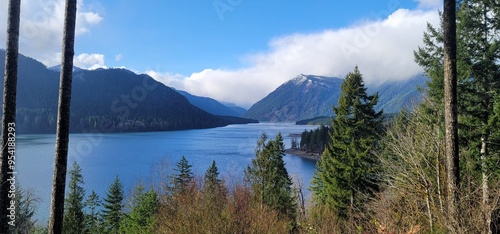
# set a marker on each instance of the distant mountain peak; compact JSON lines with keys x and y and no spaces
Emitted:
{"x":299,"y":79}
{"x":309,"y":96}
{"x":312,"y":79}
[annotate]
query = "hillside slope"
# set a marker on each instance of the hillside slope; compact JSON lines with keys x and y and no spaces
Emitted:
{"x":103,"y":100}
{"x":309,"y":96}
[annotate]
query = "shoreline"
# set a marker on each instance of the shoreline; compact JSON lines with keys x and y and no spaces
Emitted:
{"x":303,"y":154}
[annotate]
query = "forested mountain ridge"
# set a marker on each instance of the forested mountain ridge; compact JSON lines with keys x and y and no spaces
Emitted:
{"x":103,"y":100}
{"x":303,"y":97}
{"x":393,"y":96}
{"x":209,"y":105}
{"x":309,"y":96}
{"x":238,"y":109}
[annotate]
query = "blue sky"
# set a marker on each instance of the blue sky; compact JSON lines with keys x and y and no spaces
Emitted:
{"x":233,"y":50}
{"x":183,"y":37}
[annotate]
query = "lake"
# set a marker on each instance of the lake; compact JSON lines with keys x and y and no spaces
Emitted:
{"x":148,"y":156}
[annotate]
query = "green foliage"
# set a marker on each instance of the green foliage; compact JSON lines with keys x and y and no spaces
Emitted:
{"x":478,"y":70}
{"x":269,"y":178}
{"x":112,"y":212}
{"x":315,"y":140}
{"x":74,"y":217}
{"x":25,"y":209}
{"x":494,"y":123}
{"x":320,"y":120}
{"x":93,"y":220}
{"x":346,"y":171}
{"x":478,"y":53}
{"x":142,"y":216}
{"x":183,"y":177}
{"x":213,"y":184}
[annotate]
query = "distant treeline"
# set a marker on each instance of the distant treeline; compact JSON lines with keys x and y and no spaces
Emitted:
{"x":327,"y":120}
{"x":104,"y":100}
{"x":44,"y":121}
{"x":314,"y":141}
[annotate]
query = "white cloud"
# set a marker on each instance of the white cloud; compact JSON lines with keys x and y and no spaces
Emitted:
{"x":89,"y":61}
{"x":42,"y":27}
{"x":382,"y":49}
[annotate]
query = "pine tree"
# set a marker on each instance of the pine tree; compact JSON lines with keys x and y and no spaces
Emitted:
{"x":141,"y":218}
{"x":478,"y":71}
{"x":213,"y":185}
{"x":93,"y":220}
{"x":269,"y":178}
{"x":215,"y":192}
{"x":25,"y":210}
{"x":74,"y":216}
{"x":112,"y":212}
{"x":346,"y":170}
{"x":184,"y":176}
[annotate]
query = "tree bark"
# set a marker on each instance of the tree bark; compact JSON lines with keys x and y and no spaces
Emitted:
{"x":450,"y":114}
{"x":484,"y":185}
{"x":484,"y":139}
{"x":9,"y":110}
{"x":63,"y":114}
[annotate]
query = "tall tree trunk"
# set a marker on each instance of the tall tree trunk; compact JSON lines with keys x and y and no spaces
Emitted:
{"x":450,"y":114}
{"x":9,"y":110}
{"x":484,"y":139}
{"x":485,"y":187}
{"x":63,"y":114}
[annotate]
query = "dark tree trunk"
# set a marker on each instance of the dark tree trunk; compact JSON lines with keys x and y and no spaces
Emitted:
{"x":450,"y":114}
{"x":63,"y":114}
{"x":9,"y":112}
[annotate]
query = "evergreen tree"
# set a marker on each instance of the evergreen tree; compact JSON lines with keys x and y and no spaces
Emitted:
{"x":315,"y":140}
{"x":213,"y":185}
{"x":304,"y":140}
{"x":269,"y":178}
{"x":184,"y":176}
{"x":215,"y":192}
{"x":25,"y":210}
{"x":141,"y":218}
{"x":74,"y":216}
{"x":346,"y":170}
{"x":112,"y":213}
{"x":93,"y":220}
{"x":478,"y":53}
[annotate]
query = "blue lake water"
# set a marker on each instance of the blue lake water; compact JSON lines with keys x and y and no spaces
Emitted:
{"x":149,"y":157}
